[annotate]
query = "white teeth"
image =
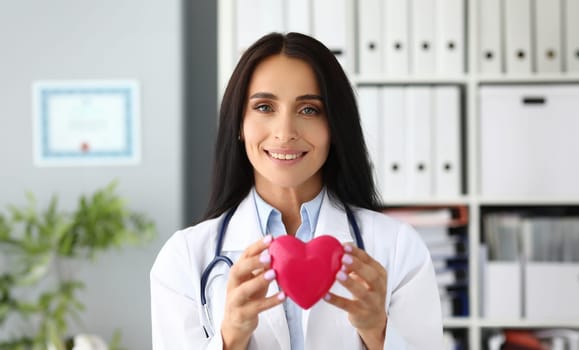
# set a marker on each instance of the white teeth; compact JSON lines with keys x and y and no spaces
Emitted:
{"x":284,"y":156}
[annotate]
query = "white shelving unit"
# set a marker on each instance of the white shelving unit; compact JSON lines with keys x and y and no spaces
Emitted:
{"x":470,"y":81}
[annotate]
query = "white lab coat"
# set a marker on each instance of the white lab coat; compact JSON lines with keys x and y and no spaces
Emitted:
{"x":413,"y":304}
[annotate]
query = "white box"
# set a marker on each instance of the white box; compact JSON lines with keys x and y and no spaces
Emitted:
{"x":528,"y":140}
{"x":552,"y":291}
{"x":502,"y":290}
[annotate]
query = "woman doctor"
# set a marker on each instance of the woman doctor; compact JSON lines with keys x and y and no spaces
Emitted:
{"x":290,"y":157}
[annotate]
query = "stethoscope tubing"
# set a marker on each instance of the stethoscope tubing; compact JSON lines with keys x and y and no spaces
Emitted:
{"x":218,"y":258}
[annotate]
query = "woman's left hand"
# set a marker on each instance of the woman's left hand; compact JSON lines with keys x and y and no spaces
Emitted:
{"x":366,"y":279}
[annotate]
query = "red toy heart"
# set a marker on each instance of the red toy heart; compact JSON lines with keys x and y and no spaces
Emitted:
{"x":306,"y":271}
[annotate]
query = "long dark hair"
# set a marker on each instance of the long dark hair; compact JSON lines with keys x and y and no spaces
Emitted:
{"x":346,"y":173}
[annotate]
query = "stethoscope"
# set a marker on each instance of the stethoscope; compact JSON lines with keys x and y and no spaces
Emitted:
{"x":218,"y":258}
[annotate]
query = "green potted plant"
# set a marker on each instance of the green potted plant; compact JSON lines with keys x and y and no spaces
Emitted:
{"x":33,"y":244}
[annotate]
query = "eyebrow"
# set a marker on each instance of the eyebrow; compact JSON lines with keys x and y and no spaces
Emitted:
{"x":274,"y":97}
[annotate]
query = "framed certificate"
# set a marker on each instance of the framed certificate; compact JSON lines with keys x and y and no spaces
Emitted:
{"x":86,"y":123}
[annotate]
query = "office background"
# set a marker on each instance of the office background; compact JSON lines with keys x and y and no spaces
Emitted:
{"x":460,"y":102}
{"x":182,"y":61}
{"x":169,"y":47}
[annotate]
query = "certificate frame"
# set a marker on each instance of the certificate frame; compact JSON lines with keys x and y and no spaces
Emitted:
{"x":84,"y":123}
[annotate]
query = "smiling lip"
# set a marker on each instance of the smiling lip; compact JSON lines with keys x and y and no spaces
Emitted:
{"x":285,"y":155}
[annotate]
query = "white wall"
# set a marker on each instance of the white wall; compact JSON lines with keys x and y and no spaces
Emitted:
{"x":106,"y":39}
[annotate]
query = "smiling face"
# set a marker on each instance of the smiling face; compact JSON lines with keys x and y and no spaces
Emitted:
{"x":285,"y":129}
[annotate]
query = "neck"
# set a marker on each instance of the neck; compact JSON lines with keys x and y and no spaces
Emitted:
{"x":288,"y":201}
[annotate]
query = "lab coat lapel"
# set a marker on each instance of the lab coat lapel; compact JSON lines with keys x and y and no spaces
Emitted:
{"x":244,"y":230}
{"x":333,"y":221}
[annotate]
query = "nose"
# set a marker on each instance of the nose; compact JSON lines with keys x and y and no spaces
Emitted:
{"x":286,"y":128}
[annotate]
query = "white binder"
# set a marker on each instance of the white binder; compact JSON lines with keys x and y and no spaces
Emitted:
{"x":370,"y":113}
{"x":419,"y":145}
{"x":449,"y":48}
{"x":518,"y":36}
{"x":490,"y":55}
{"x":528,"y":141}
{"x":369,"y":37}
{"x":393,"y":143}
{"x":298,"y":16}
{"x":396,"y":39}
{"x":330,"y":22}
{"x":255,"y":18}
{"x":422,"y":36}
{"x":571,"y":36}
{"x":548,"y":54}
{"x":446,"y":140}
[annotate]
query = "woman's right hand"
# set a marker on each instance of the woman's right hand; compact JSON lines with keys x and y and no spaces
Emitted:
{"x":247,"y":286}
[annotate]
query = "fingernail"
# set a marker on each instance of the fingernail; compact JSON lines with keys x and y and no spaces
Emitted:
{"x":267,"y":239}
{"x":264,"y":257}
{"x":269,"y":275}
{"x":347,"y":259}
{"x":342,"y":276}
{"x":281,"y":296}
{"x":327,"y":297}
{"x":348,"y":248}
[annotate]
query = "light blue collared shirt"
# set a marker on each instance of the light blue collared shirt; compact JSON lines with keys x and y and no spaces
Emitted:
{"x":271,"y":222}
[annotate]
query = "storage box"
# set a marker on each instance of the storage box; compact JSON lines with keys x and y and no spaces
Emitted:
{"x":502,"y":290}
{"x":552,"y":292}
{"x":528,"y":140}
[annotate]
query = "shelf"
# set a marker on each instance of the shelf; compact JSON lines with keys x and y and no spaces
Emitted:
{"x":426,"y":201}
{"x":378,"y":79}
{"x":429,"y":80}
{"x":457,"y":322}
{"x":560,"y":78}
{"x":522,"y":323}
{"x":530,"y":201}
